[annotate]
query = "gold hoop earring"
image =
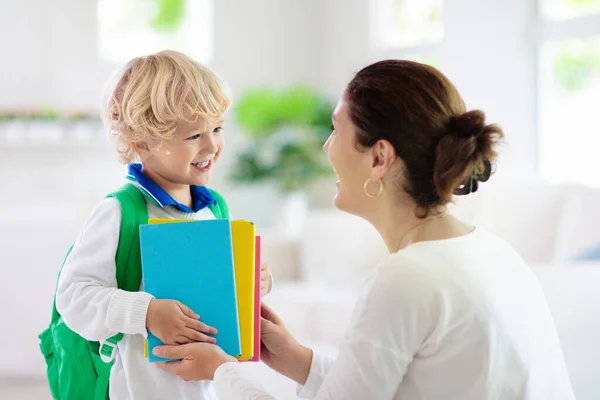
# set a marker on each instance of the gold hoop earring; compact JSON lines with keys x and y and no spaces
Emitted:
{"x":367,"y":190}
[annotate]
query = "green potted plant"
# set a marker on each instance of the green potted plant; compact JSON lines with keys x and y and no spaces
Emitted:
{"x":285,"y":130}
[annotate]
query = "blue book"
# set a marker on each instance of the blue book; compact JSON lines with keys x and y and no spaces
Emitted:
{"x":192,"y":262}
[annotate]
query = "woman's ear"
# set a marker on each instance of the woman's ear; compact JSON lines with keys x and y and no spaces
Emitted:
{"x":384,"y":158}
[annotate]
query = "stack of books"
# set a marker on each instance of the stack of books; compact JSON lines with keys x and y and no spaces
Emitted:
{"x":213,"y":267}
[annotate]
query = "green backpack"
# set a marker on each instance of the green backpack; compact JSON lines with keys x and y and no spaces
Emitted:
{"x":74,"y":367}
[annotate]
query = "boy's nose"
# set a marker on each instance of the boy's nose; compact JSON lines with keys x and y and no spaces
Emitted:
{"x":210,"y":146}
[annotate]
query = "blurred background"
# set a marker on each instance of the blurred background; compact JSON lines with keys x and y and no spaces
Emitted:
{"x":532,"y":65}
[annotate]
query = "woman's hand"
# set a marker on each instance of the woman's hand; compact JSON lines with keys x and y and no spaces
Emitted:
{"x":280,"y":350}
{"x":199,"y":361}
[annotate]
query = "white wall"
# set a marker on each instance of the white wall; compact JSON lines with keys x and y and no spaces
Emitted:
{"x":491,"y":59}
{"x":48,"y":54}
{"x":50,"y":58}
{"x":488,"y":53}
{"x":49,"y":49}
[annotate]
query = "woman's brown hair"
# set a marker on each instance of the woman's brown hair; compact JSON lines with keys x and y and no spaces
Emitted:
{"x":445,"y":149}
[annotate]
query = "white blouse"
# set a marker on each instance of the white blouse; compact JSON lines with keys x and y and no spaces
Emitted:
{"x":461,"y":318}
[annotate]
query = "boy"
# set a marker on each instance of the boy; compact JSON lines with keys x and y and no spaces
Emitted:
{"x":167,"y":111}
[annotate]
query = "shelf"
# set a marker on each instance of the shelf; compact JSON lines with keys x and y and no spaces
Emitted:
{"x":54,"y":135}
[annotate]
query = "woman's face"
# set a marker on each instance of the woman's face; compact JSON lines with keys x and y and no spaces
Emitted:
{"x":353,"y":167}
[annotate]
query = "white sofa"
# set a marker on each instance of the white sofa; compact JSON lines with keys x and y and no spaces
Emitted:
{"x":548,"y":224}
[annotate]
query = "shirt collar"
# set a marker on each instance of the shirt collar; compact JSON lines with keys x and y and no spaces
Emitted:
{"x":201,"y":196}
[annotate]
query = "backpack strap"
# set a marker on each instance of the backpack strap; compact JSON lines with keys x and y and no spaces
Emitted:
{"x":220,"y":209}
{"x":128,"y":259}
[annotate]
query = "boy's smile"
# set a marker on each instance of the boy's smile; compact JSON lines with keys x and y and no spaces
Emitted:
{"x":186,"y":159}
{"x":203,"y":166}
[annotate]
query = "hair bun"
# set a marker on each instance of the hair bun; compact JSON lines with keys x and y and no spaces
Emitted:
{"x":470,"y":139}
{"x":468,"y":125}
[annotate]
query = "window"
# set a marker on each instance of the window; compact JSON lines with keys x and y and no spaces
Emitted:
{"x":406,"y":23}
{"x":567,"y":9}
{"x":131,"y":28}
{"x":569,"y":90}
{"x":423,"y":58}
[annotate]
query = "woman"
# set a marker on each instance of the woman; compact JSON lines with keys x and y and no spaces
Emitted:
{"x":454,"y":312}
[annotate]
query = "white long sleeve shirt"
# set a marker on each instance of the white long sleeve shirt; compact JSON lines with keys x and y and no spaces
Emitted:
{"x":91,"y":305}
{"x":456,"y":319}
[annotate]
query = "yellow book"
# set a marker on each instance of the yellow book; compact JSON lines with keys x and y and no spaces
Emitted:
{"x":243,"y":238}
{"x":168,"y":220}
{"x":161,"y":221}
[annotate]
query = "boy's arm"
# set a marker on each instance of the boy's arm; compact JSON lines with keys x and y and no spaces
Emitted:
{"x":87,"y":296}
{"x":266,"y":279}
{"x":271,"y":283}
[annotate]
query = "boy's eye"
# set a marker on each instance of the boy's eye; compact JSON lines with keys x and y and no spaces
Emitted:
{"x":218,"y":129}
{"x":194,"y":137}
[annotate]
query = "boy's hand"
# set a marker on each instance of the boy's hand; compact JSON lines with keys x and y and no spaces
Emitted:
{"x":265,"y":278}
{"x":174,"y":323}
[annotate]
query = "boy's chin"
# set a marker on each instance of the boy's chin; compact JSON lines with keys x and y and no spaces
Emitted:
{"x":201,"y":180}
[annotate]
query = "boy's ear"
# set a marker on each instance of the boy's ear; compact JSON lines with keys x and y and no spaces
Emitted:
{"x":140,"y":147}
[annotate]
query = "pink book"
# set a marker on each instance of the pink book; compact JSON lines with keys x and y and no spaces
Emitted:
{"x":256,"y":357}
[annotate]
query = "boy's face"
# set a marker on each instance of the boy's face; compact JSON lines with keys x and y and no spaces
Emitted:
{"x":188,"y":157}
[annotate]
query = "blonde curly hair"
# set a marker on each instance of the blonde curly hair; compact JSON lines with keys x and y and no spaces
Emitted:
{"x":151,"y":94}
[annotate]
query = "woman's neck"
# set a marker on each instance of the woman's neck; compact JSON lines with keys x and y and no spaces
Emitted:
{"x":399,"y":225}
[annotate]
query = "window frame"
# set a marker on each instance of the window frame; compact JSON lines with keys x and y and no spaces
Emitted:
{"x":549,"y":31}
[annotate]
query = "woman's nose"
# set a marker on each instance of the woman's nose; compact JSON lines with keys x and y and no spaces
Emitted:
{"x":327,"y":142}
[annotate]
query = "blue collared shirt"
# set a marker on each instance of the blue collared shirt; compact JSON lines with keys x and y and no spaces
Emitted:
{"x":201,"y":196}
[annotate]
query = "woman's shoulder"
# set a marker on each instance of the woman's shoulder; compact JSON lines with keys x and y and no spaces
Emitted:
{"x":401,"y":278}
{"x":471,"y":246}
{"x":435,"y":265}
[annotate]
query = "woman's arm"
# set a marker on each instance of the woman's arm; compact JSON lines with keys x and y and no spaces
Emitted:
{"x":389,"y":325}
{"x":230,"y":382}
{"x":361,"y":371}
